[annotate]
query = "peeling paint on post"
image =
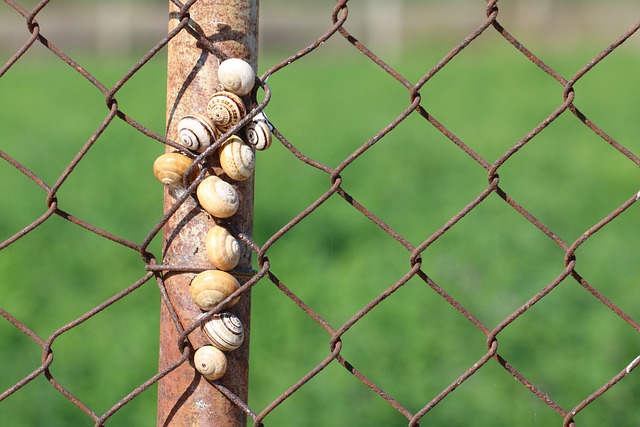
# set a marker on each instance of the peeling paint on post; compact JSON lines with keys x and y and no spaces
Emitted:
{"x":184,"y":397}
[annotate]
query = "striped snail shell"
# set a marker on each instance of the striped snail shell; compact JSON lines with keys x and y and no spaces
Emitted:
{"x":223,"y":250}
{"x":224,"y":331}
{"x":170,"y":168}
{"x":258,"y":132}
{"x":210,"y":362}
{"x":237,"y":158}
{"x":236,"y":76}
{"x":225,"y":109}
{"x":217,"y":197}
{"x":196,"y":132}
{"x":211,"y":287}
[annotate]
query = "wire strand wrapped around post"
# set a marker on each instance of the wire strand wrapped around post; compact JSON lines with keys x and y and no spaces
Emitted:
{"x":217,"y":30}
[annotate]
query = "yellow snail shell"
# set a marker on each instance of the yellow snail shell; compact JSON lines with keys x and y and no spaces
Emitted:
{"x":196,"y":132}
{"x":210,"y":362}
{"x":223,"y":250}
{"x":237,"y":158}
{"x":224,"y":331}
{"x":210,"y":287}
{"x":217,"y":197}
{"x":170,"y":168}
{"x":225,"y":109}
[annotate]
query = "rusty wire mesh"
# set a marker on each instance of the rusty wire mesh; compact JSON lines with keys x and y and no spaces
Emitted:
{"x":417,"y":270}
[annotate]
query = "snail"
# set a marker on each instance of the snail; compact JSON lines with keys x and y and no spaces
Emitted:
{"x":225,"y":109}
{"x":196,"y":132}
{"x":236,"y":76}
{"x":223,"y":250}
{"x":224,"y":331}
{"x":210,"y":362}
{"x":170,"y":168}
{"x":217,"y":197}
{"x":258,"y":132}
{"x":210,"y":287}
{"x":237,"y":158}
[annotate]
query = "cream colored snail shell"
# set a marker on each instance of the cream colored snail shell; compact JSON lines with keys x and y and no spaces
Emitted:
{"x":196,"y":132}
{"x":236,"y":76}
{"x":237,"y":158}
{"x":170,"y":168}
{"x":210,"y":362}
{"x":225,"y":109}
{"x":224,"y":331}
{"x":223,"y":250}
{"x":210,"y":287}
{"x":217,"y":197}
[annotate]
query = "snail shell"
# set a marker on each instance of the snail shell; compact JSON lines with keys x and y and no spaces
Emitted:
{"x":223,"y":250}
{"x":217,"y":197}
{"x":225,"y":109}
{"x":224,"y":331}
{"x":210,"y":362}
{"x":196,"y":132}
{"x":237,"y":158}
{"x":236,"y":76}
{"x":258,"y":134}
{"x":170,"y":168}
{"x":210,"y":287}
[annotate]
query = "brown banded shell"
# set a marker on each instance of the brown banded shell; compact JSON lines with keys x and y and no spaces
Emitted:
{"x":236,"y":76}
{"x":210,"y":287}
{"x":258,"y":134}
{"x":196,"y":132}
{"x":217,"y":197}
{"x":225,"y":109}
{"x":224,"y":331}
{"x":237,"y":158}
{"x":210,"y":362}
{"x":223,"y":250}
{"x":170,"y":168}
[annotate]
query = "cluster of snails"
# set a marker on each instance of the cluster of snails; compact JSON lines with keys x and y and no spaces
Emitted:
{"x":218,"y":197}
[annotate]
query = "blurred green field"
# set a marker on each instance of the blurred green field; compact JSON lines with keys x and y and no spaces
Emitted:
{"x":414,"y":344}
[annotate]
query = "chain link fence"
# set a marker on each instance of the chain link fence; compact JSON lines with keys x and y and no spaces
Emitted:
{"x":363,"y":297}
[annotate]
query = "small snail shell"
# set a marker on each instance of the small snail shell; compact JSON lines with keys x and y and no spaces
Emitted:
{"x":170,"y":168}
{"x":258,"y":133}
{"x":196,"y":132}
{"x":210,"y":362}
{"x":223,"y":250}
{"x":225,"y":109}
{"x":236,"y":76}
{"x":217,"y":197}
{"x":224,"y":331}
{"x":210,"y":287}
{"x":237,"y":158}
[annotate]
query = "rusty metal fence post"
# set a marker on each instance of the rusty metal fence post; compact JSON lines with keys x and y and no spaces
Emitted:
{"x":213,"y":31}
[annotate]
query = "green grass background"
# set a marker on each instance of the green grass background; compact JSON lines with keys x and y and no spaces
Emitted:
{"x":413,"y":344}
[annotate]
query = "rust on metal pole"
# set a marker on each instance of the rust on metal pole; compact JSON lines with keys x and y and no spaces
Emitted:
{"x":185,"y":398}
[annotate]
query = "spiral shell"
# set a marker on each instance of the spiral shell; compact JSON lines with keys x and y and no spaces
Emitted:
{"x":237,"y":158}
{"x":224,"y":331}
{"x":236,"y":76}
{"x":196,"y":132}
{"x":210,"y":362}
{"x":217,"y":197}
{"x":170,"y":168}
{"x":223,"y":250}
{"x":225,"y":109}
{"x":258,"y":134}
{"x":211,"y":287}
